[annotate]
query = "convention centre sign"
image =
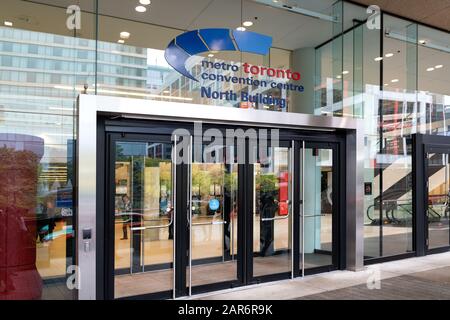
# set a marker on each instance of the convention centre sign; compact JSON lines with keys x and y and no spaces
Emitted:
{"x":199,"y":41}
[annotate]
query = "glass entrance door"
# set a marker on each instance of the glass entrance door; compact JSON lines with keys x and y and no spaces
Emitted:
{"x":213,"y":224}
{"x":272,"y":212}
{"x":318,"y":221}
{"x":143,"y":217}
{"x":438,"y":206}
{"x":213,"y":221}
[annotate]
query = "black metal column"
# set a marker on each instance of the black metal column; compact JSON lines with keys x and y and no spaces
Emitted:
{"x":419,"y":195}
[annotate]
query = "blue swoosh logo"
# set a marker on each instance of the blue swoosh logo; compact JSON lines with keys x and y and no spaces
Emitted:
{"x":198,"y":41}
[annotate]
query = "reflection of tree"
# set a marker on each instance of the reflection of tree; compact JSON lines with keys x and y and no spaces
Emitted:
{"x":267,"y":183}
{"x":205,"y":175}
{"x":230,"y":181}
{"x":18,"y":189}
{"x":165,"y":175}
{"x":165,"y":172}
{"x":119,"y":154}
{"x":18,"y":176}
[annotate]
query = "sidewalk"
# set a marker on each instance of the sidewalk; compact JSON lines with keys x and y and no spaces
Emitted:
{"x":416,"y":278}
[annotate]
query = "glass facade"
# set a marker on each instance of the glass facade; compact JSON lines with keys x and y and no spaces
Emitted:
{"x":394,"y":78}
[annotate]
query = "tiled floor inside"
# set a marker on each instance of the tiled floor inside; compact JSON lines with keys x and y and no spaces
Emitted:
{"x":416,"y":278}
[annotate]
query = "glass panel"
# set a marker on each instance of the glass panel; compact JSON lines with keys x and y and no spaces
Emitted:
{"x":214,"y":223}
{"x":143,"y":243}
{"x":399,"y":120}
{"x":438,"y":200}
{"x":433,"y":79}
{"x":370,"y":100}
{"x":40,"y":79}
{"x":134,"y":65}
{"x":272,"y":218}
{"x":318,"y":208}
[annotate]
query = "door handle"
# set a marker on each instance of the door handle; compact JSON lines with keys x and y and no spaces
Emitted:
{"x":209,"y":223}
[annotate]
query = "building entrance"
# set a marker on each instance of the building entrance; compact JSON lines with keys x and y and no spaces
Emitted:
{"x":174,"y":200}
{"x":184,"y":218}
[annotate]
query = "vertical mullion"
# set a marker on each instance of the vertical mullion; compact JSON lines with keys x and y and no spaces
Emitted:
{"x":181,"y":233}
{"x":295,"y":208}
{"x":249,"y":210}
{"x":380,"y":127}
{"x":241,"y":255}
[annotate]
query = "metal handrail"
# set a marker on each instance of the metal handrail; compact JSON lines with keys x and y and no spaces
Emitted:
{"x":174,"y":201}
{"x":190,"y":153}
{"x":313,"y":215}
{"x":276,"y":218}
{"x":209,"y":223}
{"x":153,"y":227}
{"x":302,"y":206}
{"x":291,"y":202}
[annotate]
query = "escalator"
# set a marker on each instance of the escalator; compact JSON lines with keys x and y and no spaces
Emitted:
{"x":397,"y":196}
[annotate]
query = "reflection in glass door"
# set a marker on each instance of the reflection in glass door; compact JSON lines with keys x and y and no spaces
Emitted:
{"x":144,"y":219}
{"x":317,"y":234}
{"x":438,"y":185}
{"x":212,"y":223}
{"x":272,"y":217}
{"x":280,"y":235}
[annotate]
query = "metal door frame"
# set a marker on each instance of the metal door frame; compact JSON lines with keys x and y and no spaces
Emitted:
{"x":112,"y":138}
{"x":337,"y":210}
{"x":423,"y":144}
{"x":89,"y":164}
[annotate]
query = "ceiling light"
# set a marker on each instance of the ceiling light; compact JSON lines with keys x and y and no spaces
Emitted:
{"x":412,"y":40}
{"x":295,"y":8}
{"x":339,"y":77}
{"x":210,"y":55}
{"x":388,"y":55}
{"x":395,"y":80}
{"x":166,"y":91}
{"x":121,"y":41}
{"x":124,"y":35}
{"x":378,"y":59}
{"x":345,"y":72}
{"x":439,"y":66}
{"x":240,"y":29}
{"x":145,"y":2}
{"x":247,"y":24}
{"x":430,"y":69}
{"x":141,"y":9}
{"x":386,"y":84}
{"x":8,"y":23}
